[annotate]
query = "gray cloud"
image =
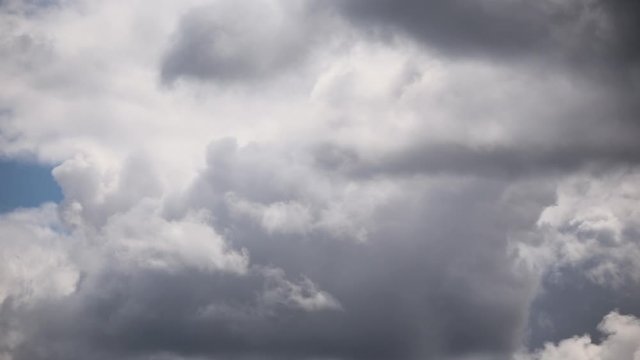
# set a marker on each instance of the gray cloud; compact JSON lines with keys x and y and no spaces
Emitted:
{"x":506,"y":27}
{"x":422,"y":289}
{"x":579,"y":30}
{"x":484,"y":161}
{"x":404,"y":280}
{"x":620,"y":340}
{"x":592,"y":44}
{"x":248,"y":40}
{"x":27,"y":7}
{"x":451,"y":193}
{"x":187,"y":313}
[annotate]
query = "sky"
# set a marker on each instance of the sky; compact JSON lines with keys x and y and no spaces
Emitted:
{"x":25,"y":184}
{"x":319,"y":180}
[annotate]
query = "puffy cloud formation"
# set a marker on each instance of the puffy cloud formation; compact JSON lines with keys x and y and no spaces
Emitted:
{"x":594,"y":226}
{"x":622,"y":341}
{"x":241,"y":40}
{"x":35,"y":264}
{"x":321,"y":179}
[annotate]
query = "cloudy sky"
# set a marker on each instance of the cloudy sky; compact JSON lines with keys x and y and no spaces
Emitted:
{"x":320,"y":179}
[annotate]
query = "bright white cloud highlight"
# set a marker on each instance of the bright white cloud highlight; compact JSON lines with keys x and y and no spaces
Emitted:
{"x":593,"y":225}
{"x":621,"y":342}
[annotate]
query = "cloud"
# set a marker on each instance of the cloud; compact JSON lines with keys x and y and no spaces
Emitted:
{"x":138,"y":264}
{"x":244,"y":41}
{"x":579,"y":31}
{"x":304,"y":296}
{"x":306,"y":188}
{"x":467,"y":116}
{"x":500,"y":26}
{"x":592,"y":226}
{"x":621,"y":341}
{"x":35,"y":264}
{"x":589,"y":38}
{"x":410,"y":260}
{"x":27,"y":7}
{"x":585,"y":247}
{"x":101,"y":285}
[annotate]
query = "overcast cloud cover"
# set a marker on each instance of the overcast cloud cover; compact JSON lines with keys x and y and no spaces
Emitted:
{"x":323,"y":179}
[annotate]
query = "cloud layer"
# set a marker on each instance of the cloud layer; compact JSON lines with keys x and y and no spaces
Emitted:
{"x":321,"y":180}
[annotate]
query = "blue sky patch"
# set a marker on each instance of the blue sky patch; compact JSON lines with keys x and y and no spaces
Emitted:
{"x":26,"y":185}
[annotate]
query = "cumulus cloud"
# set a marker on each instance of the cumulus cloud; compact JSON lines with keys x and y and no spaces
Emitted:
{"x":343,"y":180}
{"x":227,"y":42}
{"x":592,"y":226}
{"x":304,"y":295}
{"x":35,"y":263}
{"x":621,"y":341}
{"x":63,"y":276}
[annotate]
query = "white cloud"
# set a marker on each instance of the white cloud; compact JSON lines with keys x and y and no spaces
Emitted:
{"x":278,"y":217}
{"x":142,"y":238}
{"x":621,"y":342}
{"x":231,"y":138}
{"x":593,"y":225}
{"x":34,"y":260}
{"x":36,"y":265}
{"x":304,"y":295}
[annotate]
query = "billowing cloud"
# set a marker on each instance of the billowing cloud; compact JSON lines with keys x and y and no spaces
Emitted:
{"x":336,"y":180}
{"x":593,"y":226}
{"x":246,"y":40}
{"x":35,"y":264}
{"x":621,"y":341}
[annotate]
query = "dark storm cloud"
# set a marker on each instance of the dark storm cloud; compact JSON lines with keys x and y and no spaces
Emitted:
{"x":245,"y":41}
{"x":598,"y":36}
{"x":124,"y":314}
{"x":485,"y":161}
{"x":194,"y":314}
{"x":625,"y":19}
{"x":487,"y":26}
{"x":580,"y":30}
{"x":433,"y":279}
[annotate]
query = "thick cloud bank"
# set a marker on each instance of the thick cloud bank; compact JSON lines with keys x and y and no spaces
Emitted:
{"x":322,"y":180}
